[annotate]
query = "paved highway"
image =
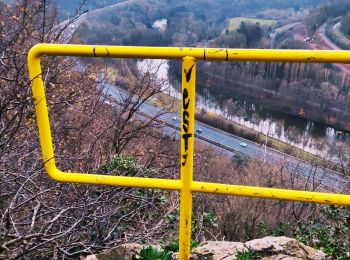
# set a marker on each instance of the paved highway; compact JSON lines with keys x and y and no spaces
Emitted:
{"x":322,"y":33}
{"x":231,"y":143}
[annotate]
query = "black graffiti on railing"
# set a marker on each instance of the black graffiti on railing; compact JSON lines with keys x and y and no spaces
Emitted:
{"x":188,"y":73}
{"x":185,"y":115}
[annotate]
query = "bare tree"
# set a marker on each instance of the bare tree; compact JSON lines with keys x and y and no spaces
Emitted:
{"x":42,"y":219}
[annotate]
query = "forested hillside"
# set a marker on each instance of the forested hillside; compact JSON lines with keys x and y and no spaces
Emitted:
{"x":67,"y":8}
{"x":316,"y":92}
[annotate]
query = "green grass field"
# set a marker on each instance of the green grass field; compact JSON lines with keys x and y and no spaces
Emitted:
{"x":234,"y":23}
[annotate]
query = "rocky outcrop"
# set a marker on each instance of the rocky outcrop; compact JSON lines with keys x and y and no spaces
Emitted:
{"x":129,"y":251}
{"x":280,"y":246}
{"x":215,"y":250}
{"x":267,"y":248}
{"x":276,"y":248}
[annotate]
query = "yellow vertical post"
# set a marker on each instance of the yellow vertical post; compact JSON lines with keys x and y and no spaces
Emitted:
{"x":41,"y":111}
{"x":187,"y":150}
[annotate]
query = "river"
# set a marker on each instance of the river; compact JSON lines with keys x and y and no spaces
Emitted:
{"x":312,"y":137}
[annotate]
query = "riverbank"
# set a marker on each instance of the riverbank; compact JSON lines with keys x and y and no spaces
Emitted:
{"x":162,"y":100}
{"x":254,"y":136}
{"x":172,"y":104}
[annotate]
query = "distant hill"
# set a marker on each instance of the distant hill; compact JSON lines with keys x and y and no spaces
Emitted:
{"x":67,"y":8}
{"x":188,"y":21}
{"x":229,"y":8}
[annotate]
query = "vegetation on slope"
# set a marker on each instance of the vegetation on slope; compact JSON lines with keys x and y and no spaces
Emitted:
{"x":42,"y":219}
{"x":318,"y":90}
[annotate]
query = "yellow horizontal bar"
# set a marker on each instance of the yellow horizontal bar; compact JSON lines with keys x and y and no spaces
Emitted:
{"x":203,"y":187}
{"x":123,"y":181}
{"x":273,"y":55}
{"x":272,"y":193}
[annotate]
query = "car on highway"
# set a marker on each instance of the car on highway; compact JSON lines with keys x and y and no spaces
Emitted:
{"x":199,"y":130}
{"x":243,"y":144}
{"x":174,"y":118}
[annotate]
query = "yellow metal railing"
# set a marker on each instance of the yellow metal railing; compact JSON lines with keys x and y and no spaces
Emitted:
{"x":186,"y":186}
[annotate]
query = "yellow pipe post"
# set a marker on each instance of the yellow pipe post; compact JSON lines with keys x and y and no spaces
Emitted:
{"x":187,"y":150}
{"x":41,"y":110}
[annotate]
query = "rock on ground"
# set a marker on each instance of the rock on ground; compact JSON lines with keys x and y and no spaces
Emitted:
{"x":215,"y":250}
{"x":268,"y":248}
{"x":275,"y":248}
{"x":129,"y":251}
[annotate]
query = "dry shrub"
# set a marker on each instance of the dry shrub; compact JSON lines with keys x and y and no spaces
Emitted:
{"x":241,"y":218}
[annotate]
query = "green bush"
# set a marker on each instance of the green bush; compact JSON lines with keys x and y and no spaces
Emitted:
{"x":250,"y":254}
{"x":174,"y":246}
{"x":329,"y":232}
{"x":240,"y":159}
{"x":327,"y":228}
{"x":281,"y":229}
{"x":152,"y":253}
{"x":125,"y":165}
